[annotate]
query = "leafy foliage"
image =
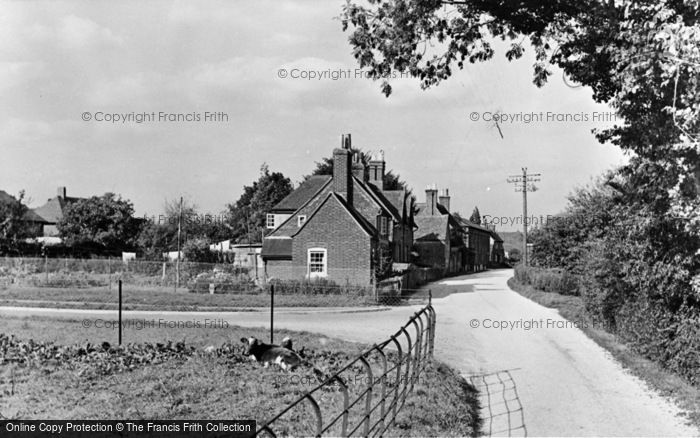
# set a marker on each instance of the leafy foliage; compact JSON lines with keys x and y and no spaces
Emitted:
{"x":247,"y":214}
{"x":548,"y":280}
{"x":633,"y":238}
{"x":475,"y":217}
{"x":105,"y":221}
{"x":159,"y":234}
{"x":391,"y":180}
{"x":640,"y":57}
{"x":13,"y":226}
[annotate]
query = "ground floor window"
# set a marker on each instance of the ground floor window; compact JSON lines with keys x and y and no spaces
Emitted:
{"x":317,"y":262}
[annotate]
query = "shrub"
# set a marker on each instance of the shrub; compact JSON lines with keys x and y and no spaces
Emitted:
{"x":549,"y":280}
{"x":220,"y":282}
{"x":319,"y":286}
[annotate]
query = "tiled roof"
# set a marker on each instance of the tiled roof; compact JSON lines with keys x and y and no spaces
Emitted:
{"x":431,"y":227}
{"x":362,"y":222}
{"x":52,"y":211}
{"x":396,"y":198}
{"x":277,"y":248}
{"x":379,"y":198}
{"x":302,"y":194}
{"x":469,"y":224}
{"x":29,"y":215}
{"x":6,"y":197}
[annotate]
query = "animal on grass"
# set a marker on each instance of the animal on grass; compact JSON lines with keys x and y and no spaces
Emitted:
{"x":281,"y":355}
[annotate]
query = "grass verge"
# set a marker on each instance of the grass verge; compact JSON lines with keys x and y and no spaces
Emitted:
{"x":145,"y":298}
{"x":198,"y":385}
{"x":666,"y":383}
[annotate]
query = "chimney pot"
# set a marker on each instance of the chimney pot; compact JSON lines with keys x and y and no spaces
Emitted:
{"x":345,"y":141}
{"x":61,"y":192}
{"x":445,"y":199}
{"x":431,"y":199}
{"x":377,"y":169}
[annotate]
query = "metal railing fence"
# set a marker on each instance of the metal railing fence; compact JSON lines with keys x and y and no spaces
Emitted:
{"x":391,"y":370}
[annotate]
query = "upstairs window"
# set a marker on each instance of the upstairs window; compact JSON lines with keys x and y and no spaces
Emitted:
{"x":270,"y":221}
{"x":317,"y":263}
{"x":301,"y":220}
{"x":383,"y":226}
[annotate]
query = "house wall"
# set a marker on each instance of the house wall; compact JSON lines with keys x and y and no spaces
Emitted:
{"x":403,"y":241}
{"x":292,"y":227}
{"x":50,"y":230}
{"x":431,"y":253}
{"x":349,"y":248}
{"x":479,"y":243}
{"x":280,"y":270}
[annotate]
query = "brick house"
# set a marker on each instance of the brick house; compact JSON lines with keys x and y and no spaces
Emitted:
{"x":346,"y":227}
{"x":439,"y":240}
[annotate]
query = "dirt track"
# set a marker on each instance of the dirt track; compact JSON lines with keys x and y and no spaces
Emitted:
{"x":567,"y":385}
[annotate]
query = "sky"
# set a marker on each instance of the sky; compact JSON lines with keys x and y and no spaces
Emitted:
{"x":223,"y":87}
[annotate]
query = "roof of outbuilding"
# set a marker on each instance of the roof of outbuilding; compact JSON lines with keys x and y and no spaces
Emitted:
{"x":306,"y":190}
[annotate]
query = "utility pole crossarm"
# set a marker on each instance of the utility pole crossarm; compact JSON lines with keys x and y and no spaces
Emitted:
{"x":523,"y":183}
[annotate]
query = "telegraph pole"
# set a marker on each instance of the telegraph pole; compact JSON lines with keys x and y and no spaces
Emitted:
{"x":179,"y":230}
{"x":523,"y":183}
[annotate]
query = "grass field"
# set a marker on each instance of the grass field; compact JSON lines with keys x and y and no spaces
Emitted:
{"x":159,"y":298}
{"x":668,"y":384}
{"x":209,"y":386}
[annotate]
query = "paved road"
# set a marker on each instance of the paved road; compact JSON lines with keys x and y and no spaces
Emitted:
{"x":567,"y":384}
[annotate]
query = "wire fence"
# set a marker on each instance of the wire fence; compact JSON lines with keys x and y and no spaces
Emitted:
{"x":85,"y":273}
{"x":160,"y":284}
{"x":500,"y":404}
{"x":388,"y":373}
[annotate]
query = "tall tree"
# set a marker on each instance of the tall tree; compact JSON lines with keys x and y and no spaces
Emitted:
{"x":247,"y":215}
{"x":392,"y":181}
{"x":475,"y":217}
{"x":13,"y":224}
{"x":639,"y":57}
{"x":106,"y":221}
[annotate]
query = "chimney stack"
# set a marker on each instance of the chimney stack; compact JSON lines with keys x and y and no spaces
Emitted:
{"x":358,"y":167}
{"x":342,"y":170}
{"x":445,"y":199}
{"x":431,"y":199}
{"x":61,"y":192}
{"x":377,"y":167}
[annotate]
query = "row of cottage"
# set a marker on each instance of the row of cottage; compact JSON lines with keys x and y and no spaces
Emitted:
{"x":348,"y":228}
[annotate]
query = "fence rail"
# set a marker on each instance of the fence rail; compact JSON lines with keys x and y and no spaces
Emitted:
{"x":400,"y":360}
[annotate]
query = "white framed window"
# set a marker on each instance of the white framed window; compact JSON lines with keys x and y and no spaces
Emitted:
{"x":301,"y":219}
{"x":384,"y":226}
{"x":270,"y":221}
{"x":317,"y":265}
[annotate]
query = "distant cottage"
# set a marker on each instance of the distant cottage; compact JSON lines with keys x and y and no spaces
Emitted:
{"x":345,"y":227}
{"x":49,"y":214}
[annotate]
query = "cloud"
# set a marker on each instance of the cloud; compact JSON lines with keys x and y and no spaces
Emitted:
{"x":77,"y":32}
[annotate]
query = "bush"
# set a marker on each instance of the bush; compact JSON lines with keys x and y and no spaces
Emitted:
{"x":320,"y":286}
{"x":220,"y":282}
{"x":548,"y":280}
